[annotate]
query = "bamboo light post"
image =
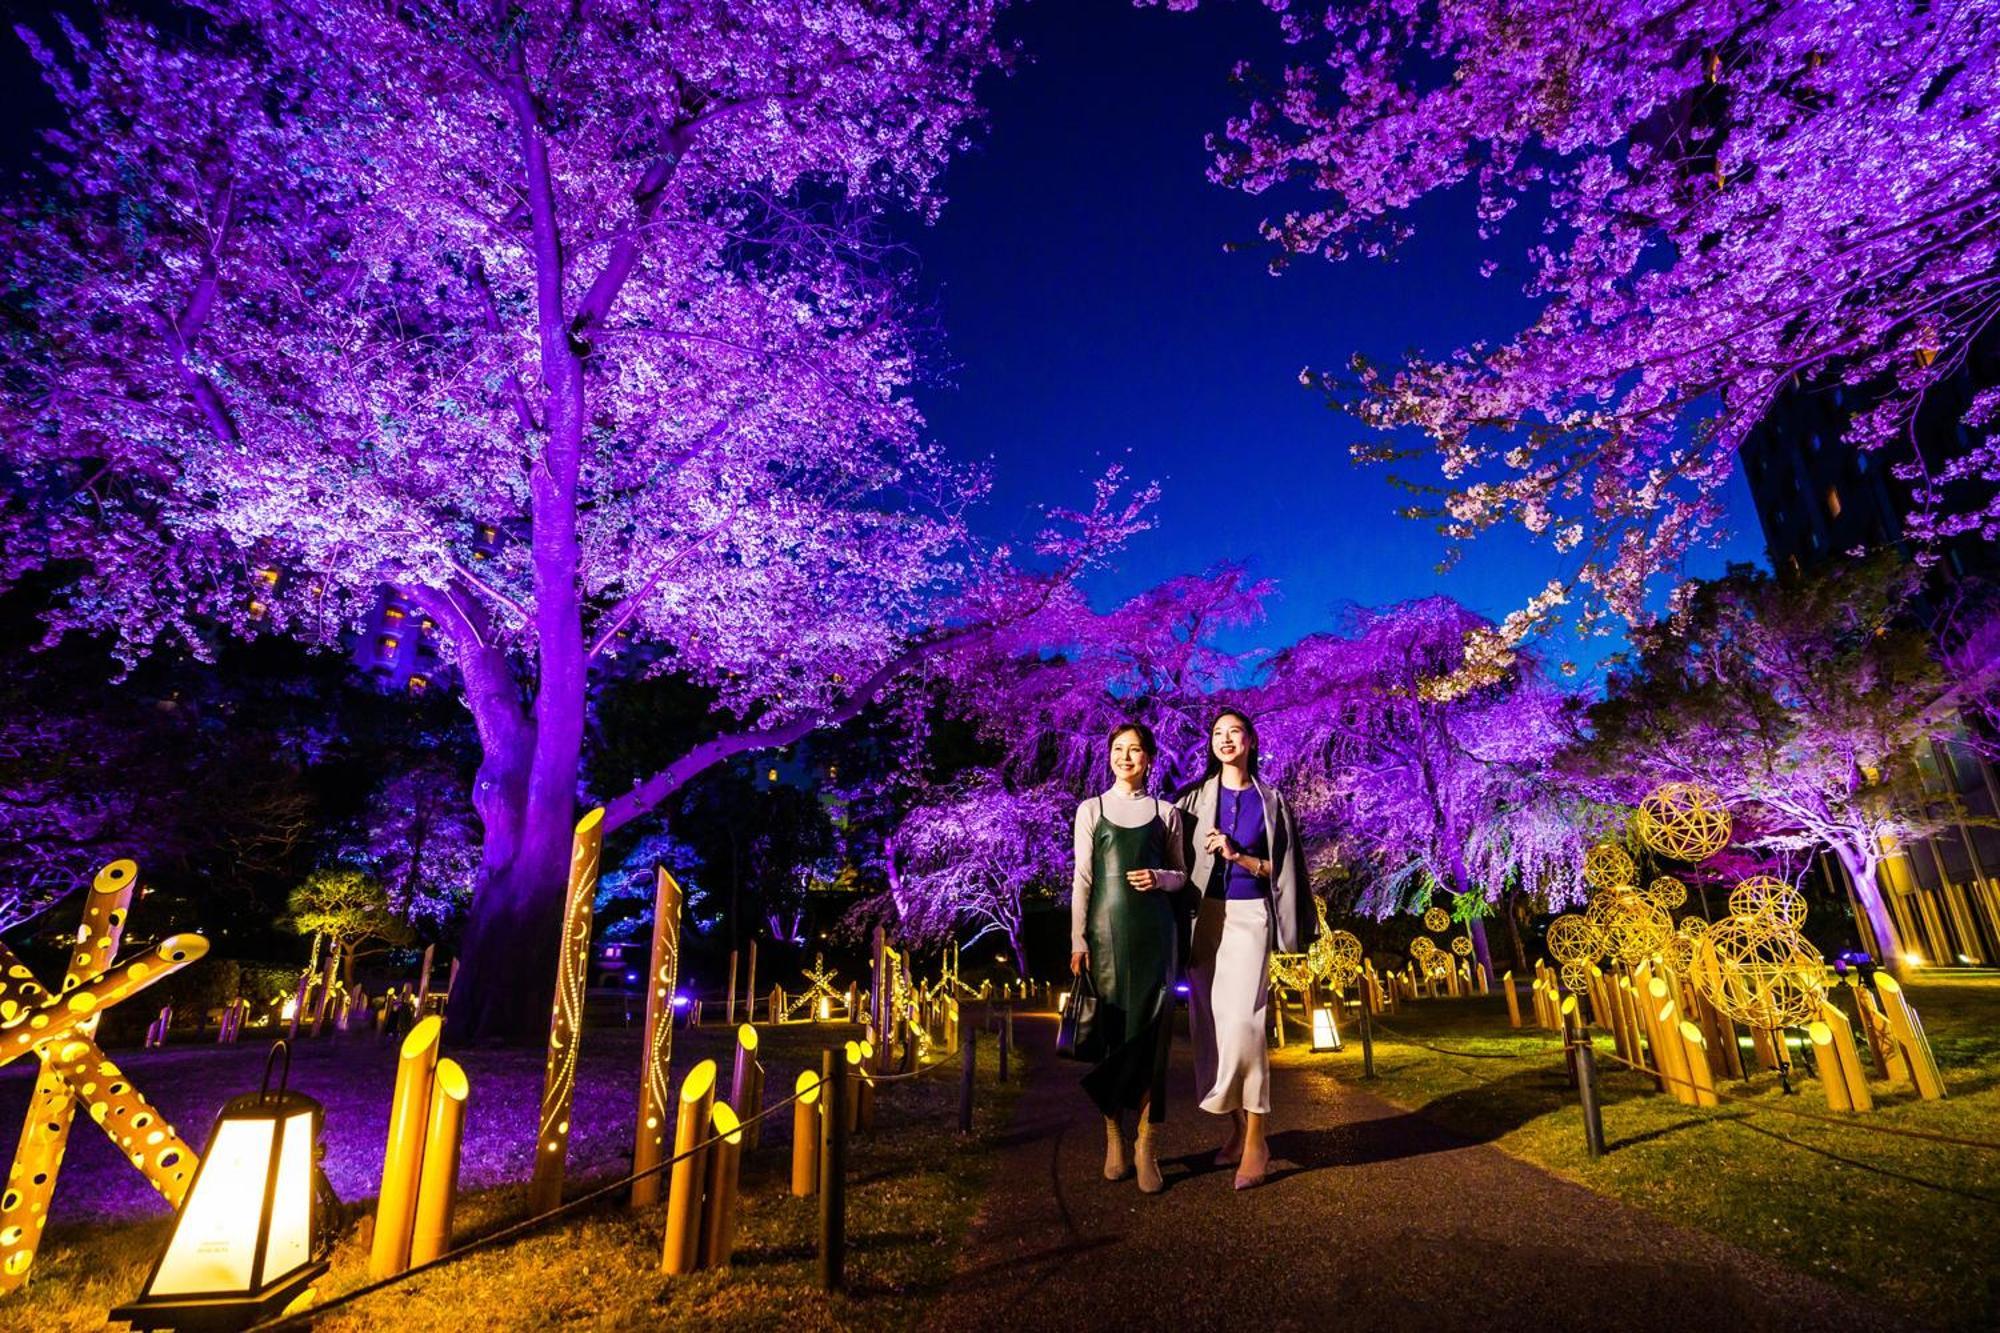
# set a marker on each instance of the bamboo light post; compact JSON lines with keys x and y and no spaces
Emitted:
{"x":1513,"y":1000}
{"x":805,"y":1135}
{"x":718,"y":1233}
{"x":689,"y":1174}
{"x":437,"y":1182}
{"x":750,"y":988}
{"x":1908,"y":1030}
{"x":746,"y":1084}
{"x":326,"y":983}
{"x":402,"y":1160}
{"x":566,"y":1018}
{"x":1840,"y":1072}
{"x":729,"y":994}
{"x":655,"y":1092}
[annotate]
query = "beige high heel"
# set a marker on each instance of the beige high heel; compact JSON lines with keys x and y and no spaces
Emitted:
{"x":1146,"y":1157}
{"x":1230,"y":1153}
{"x":1117,"y":1157}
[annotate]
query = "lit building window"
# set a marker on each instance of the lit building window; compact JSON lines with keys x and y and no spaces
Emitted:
{"x":771,"y":776}
{"x":419,"y":683}
{"x":386,"y":645}
{"x":1833,"y":502}
{"x":269,"y":575}
{"x":257,"y":609}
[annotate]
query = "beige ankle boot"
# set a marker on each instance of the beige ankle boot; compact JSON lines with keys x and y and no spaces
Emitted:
{"x":1146,"y":1157}
{"x":1117,"y":1157}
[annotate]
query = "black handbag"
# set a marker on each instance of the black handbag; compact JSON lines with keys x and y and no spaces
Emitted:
{"x":1078,"y":1036}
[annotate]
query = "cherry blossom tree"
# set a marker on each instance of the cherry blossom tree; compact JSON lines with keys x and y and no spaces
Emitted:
{"x":1722,"y":200}
{"x":576,"y":324}
{"x":1806,"y":705}
{"x":970,"y":857}
{"x":1431,"y":783}
{"x":422,"y":841}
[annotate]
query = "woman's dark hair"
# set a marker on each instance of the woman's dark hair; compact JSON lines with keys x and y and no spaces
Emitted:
{"x":1249,"y":729}
{"x":1147,"y":743}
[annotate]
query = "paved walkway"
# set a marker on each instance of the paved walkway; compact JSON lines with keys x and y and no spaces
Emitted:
{"x":1372,"y":1219}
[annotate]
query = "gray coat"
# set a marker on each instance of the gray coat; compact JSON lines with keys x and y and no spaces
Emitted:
{"x":1293,"y":921}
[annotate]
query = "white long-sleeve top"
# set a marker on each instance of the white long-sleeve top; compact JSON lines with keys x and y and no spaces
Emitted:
{"x":1127,"y":810}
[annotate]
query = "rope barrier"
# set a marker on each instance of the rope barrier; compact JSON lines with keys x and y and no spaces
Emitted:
{"x":527,"y":1225}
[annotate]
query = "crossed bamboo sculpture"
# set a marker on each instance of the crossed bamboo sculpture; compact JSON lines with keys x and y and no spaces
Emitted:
{"x":60,"y":1030}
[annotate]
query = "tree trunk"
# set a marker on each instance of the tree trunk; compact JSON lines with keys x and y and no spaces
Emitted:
{"x":1514,"y":935}
{"x":1861,"y":877}
{"x":507,"y":969}
{"x":1482,"y":952}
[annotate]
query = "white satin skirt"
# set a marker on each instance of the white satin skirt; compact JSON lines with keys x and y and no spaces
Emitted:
{"x":1229,"y":985}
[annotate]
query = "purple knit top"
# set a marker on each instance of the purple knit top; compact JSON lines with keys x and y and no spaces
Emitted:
{"x":1240,"y":814}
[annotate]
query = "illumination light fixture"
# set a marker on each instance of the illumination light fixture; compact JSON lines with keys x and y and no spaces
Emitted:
{"x":1325,"y":1036}
{"x":242,"y":1245}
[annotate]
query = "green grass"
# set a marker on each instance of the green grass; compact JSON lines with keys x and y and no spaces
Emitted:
{"x":1915,"y":1224}
{"x":914,"y":1185}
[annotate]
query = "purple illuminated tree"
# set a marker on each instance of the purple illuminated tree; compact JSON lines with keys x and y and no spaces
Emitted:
{"x":1806,"y":705}
{"x":1425,"y":755}
{"x":422,"y":841}
{"x":1716,"y":201}
{"x":577,"y":324}
{"x":971,"y":856}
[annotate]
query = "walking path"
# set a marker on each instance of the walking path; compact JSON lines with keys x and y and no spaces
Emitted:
{"x":1372,"y":1218}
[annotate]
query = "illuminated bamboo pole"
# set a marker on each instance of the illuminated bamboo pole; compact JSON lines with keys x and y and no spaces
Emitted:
{"x":1888,"y":1053}
{"x":689,"y":1173}
{"x":1485,"y":979}
{"x":777,"y":1004}
{"x":1663,"y":1028}
{"x":1908,"y":1030}
{"x":740,"y":1068}
{"x":51,"y":1018}
{"x":750,"y":987}
{"x":1846,"y":1058}
{"x":656,"y":1051}
{"x":437,"y":1185}
{"x":1694,"y":1048}
{"x":325,"y":991}
{"x":402,"y":1159}
{"x":718,"y":1232}
{"x":729,"y":994}
{"x":1831,"y":1082}
{"x":746,"y":1091}
{"x":805,"y":1135}
{"x":566,"y":1016}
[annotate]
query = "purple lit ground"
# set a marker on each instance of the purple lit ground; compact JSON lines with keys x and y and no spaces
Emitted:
{"x":352,"y":1077}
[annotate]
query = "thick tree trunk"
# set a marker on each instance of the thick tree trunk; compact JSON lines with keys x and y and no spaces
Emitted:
{"x":1513,"y":909}
{"x":1482,"y":952}
{"x":1867,"y":887}
{"x":507,"y":963}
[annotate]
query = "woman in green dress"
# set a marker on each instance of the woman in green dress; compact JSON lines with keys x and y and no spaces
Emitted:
{"x":1129,"y":867}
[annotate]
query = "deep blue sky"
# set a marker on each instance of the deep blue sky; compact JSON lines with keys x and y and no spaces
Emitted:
{"x":1091,"y":315}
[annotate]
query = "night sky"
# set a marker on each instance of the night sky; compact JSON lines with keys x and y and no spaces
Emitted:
{"x":1091,"y":315}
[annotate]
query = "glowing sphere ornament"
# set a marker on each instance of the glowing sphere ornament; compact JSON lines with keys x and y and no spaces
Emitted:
{"x":1759,"y":973}
{"x":1422,"y":947}
{"x":1635,"y":930}
{"x":1666,"y":893}
{"x":1607,"y":868}
{"x":1437,"y":919}
{"x":1683,"y":820}
{"x":1768,"y":897}
{"x":1575,"y":977}
{"x":1572,"y":939}
{"x":1462,"y":945}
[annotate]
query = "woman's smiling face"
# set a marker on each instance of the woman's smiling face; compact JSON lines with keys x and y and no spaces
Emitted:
{"x":1230,"y":739}
{"x":1128,"y":757}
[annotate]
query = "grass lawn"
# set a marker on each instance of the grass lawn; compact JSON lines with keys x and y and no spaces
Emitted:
{"x":913,"y":1187}
{"x":1914,"y":1224}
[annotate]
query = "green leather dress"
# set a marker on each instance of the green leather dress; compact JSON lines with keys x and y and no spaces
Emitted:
{"x":1134,"y":944}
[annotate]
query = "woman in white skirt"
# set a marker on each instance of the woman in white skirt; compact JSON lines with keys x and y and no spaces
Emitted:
{"x":1246,"y":859}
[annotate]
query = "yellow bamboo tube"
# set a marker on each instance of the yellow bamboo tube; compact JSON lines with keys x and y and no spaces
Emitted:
{"x":805,"y":1135}
{"x":1663,"y":1024}
{"x":718,"y":1238}
{"x":657,"y":1048}
{"x":51,"y":1018}
{"x":1831,"y":1082}
{"x":132,"y":1123}
{"x":1513,"y":1000}
{"x":1847,"y":1058}
{"x":739,"y":1074}
{"x":1694,"y":1053}
{"x":402,"y":1160}
{"x":689,"y":1174}
{"x":1908,"y":1030}
{"x":566,"y":1015}
{"x":752,"y":1107}
{"x":437,"y":1184}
